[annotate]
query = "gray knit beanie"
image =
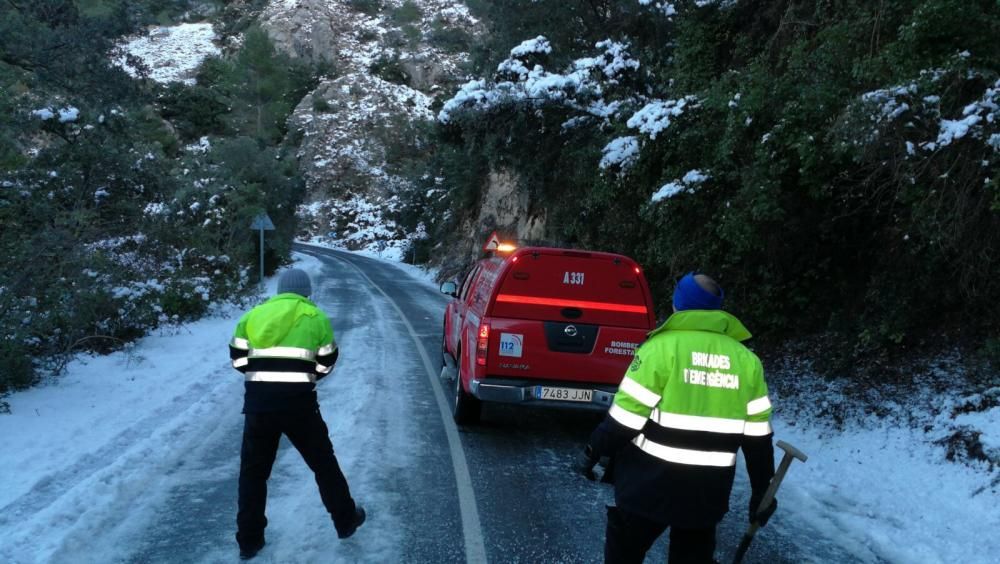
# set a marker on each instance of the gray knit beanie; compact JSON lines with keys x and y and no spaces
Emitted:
{"x":295,"y":281}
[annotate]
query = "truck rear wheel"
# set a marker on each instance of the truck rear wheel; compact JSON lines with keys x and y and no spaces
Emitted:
{"x":467,"y":408}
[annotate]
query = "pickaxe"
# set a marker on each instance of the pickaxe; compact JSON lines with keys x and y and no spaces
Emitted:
{"x":786,"y":461}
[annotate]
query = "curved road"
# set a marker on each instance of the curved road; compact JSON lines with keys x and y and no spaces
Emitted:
{"x":501,"y":491}
{"x":531,"y":506}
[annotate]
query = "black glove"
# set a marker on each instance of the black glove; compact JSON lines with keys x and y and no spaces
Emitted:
{"x":586,"y":462}
{"x":761,"y":517}
{"x":609,"y":472}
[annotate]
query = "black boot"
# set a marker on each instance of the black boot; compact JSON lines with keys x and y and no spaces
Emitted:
{"x":359,"y":518}
{"x":249,"y":550}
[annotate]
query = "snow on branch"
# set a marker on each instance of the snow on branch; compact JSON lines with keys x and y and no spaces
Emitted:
{"x":891,"y":103}
{"x":581,"y":87}
{"x":612,"y":63}
{"x":539,"y":45}
{"x":657,"y":115}
{"x":978,"y":120}
{"x":670,"y":8}
{"x":986,"y":110}
{"x":691,"y":180}
{"x":666,"y":8}
{"x":622,"y":152}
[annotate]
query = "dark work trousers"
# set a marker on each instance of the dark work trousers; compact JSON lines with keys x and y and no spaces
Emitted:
{"x":308,"y":433}
{"x":629,"y":537}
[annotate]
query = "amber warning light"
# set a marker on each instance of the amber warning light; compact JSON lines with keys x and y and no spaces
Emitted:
{"x":493,"y":244}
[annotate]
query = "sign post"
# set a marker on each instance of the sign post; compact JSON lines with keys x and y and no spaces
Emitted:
{"x":262,"y":223}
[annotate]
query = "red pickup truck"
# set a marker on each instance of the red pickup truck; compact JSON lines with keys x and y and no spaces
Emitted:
{"x":544,"y":326}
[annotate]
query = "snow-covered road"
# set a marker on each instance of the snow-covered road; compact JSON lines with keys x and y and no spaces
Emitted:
{"x":133,"y":457}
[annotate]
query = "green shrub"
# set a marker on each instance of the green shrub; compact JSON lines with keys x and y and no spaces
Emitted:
{"x":181,"y":302}
{"x":370,"y":7}
{"x":321,"y":105}
{"x":195,"y":111}
{"x":125,"y":226}
{"x":407,"y":13}
{"x":450,"y":39}
{"x":389,"y":68}
{"x":18,"y":372}
{"x":821,"y":212}
{"x":412,"y":33}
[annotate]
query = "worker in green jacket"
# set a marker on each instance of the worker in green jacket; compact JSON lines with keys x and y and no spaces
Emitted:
{"x":691,"y":398}
{"x":283,"y":347}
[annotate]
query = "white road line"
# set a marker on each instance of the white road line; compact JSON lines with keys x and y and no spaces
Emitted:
{"x":475,"y":550}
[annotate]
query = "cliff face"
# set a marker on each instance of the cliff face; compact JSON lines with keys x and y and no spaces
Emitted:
{"x":386,"y":71}
{"x":507,"y":208}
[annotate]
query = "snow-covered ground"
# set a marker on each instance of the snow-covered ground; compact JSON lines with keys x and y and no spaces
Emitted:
{"x":171,"y":53}
{"x":115,"y":434}
{"x":98,"y":443}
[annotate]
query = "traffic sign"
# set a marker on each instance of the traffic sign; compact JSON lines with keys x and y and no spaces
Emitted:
{"x":262,"y":221}
{"x":492,"y":243}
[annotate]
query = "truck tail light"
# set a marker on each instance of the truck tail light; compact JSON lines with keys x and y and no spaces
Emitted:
{"x":482,"y":343}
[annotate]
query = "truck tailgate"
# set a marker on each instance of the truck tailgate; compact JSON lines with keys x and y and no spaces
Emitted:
{"x":556,"y":350}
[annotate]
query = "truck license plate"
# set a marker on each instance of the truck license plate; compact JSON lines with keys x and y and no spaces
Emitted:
{"x":563,"y":394}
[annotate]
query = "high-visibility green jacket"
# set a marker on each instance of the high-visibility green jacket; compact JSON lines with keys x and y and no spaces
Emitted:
{"x":283,"y":347}
{"x":692,"y":397}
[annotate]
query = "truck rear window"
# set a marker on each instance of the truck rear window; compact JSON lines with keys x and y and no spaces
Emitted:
{"x":573,"y":286}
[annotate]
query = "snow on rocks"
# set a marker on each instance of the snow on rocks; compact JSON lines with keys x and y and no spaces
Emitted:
{"x":171,"y":53}
{"x":358,"y":223}
{"x":336,"y":32}
{"x":346,"y":138}
{"x":346,"y":121}
{"x":66,"y":115}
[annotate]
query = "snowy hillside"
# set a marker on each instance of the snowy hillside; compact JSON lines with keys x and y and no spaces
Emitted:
{"x":170,"y":53}
{"x":389,"y":65}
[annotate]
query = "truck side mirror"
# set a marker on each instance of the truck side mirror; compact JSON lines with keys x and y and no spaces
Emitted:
{"x":449,"y":288}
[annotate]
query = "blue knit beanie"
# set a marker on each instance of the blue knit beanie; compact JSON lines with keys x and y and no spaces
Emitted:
{"x":689,"y":295}
{"x":295,"y":281}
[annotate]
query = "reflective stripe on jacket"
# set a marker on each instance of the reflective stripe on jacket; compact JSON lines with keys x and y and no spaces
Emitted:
{"x":283,"y":347}
{"x":692,"y":397}
{"x":694,"y":391}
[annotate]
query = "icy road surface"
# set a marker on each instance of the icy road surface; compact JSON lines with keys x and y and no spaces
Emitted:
{"x":134,"y":457}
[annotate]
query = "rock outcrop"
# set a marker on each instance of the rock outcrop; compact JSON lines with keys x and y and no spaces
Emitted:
{"x":388,"y":70}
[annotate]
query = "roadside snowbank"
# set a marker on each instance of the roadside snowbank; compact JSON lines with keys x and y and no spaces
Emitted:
{"x":95,"y":444}
{"x":908,"y":474}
